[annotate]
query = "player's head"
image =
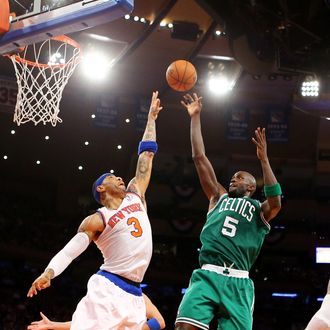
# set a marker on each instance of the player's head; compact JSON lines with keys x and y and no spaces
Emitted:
{"x":242,"y":184}
{"x":107,"y":182}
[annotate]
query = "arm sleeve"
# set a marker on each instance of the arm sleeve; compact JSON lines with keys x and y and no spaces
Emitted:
{"x":77,"y":245}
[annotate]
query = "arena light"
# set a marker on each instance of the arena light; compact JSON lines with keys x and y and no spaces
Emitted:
{"x":285,"y":295}
{"x":220,"y":85}
{"x":96,"y":66}
{"x":310,"y":87}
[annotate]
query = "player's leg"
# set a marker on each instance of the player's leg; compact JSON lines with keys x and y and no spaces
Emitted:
{"x":185,"y":326}
{"x":238,"y":298}
{"x":199,"y":303}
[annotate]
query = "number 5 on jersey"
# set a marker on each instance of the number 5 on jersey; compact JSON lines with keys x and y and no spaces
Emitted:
{"x":137,"y":232}
{"x":229,"y":226}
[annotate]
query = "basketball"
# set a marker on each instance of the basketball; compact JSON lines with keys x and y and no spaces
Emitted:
{"x":181,"y":75}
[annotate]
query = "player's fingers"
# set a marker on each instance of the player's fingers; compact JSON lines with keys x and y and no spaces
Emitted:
{"x":31,"y":293}
{"x":257,"y":133}
{"x":190,"y":98}
{"x":256,"y":142}
{"x":184,"y":104}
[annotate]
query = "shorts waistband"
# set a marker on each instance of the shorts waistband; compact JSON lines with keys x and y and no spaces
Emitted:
{"x":124,"y":283}
{"x":226,"y":271}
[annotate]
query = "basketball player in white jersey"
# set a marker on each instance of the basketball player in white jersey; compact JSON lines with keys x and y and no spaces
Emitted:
{"x":122,"y":232}
{"x":321,"y":319}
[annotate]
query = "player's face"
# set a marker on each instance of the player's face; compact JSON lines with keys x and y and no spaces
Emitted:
{"x":114,"y":183}
{"x":239,"y":184}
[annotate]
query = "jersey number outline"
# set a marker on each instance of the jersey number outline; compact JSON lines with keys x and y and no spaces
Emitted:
{"x":229,"y":226}
{"x":137,"y":232}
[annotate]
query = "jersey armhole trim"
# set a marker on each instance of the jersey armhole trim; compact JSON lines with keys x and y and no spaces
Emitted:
{"x":264,"y":220}
{"x":134,"y":193}
{"x":103,"y":218}
{"x":216,"y":204}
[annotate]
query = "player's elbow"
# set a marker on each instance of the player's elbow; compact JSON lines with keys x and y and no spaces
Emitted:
{"x":274,"y":210}
{"x":198,"y":158}
{"x":161,"y":322}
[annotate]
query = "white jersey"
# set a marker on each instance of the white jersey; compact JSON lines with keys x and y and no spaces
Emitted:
{"x":126,"y":241}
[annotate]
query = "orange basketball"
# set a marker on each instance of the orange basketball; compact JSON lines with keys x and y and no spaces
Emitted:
{"x":181,"y":75}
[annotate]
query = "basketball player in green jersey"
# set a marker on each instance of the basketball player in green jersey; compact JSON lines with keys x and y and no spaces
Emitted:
{"x":231,"y":238}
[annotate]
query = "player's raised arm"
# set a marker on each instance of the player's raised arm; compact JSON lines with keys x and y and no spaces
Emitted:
{"x":272,"y":205}
{"x":212,"y":188}
{"x":88,"y":231}
{"x":147,"y":149}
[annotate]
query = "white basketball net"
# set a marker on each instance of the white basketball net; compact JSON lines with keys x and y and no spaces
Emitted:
{"x":42,"y":72}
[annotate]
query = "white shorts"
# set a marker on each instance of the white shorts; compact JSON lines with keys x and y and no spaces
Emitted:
{"x":323,"y":314}
{"x":106,"y":306}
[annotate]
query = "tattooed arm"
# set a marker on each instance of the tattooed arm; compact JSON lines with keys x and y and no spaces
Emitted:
{"x":140,"y":182}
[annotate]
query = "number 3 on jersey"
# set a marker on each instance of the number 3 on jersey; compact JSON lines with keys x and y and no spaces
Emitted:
{"x":137,"y":232}
{"x":229,"y":226}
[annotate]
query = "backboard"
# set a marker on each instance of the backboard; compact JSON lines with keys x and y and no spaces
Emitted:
{"x":37,"y":20}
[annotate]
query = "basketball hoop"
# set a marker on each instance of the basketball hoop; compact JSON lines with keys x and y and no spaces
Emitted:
{"x":42,"y":71}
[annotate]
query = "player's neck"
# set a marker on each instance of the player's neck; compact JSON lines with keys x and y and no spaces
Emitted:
{"x":113,"y":203}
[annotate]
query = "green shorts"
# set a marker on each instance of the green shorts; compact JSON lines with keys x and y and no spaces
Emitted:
{"x":209,"y":295}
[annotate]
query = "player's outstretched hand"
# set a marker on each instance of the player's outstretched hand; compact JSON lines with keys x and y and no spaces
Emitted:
{"x":42,"y":282}
{"x":155,"y":106}
{"x":43,"y":324}
{"x":193,"y":104}
{"x":260,"y":142}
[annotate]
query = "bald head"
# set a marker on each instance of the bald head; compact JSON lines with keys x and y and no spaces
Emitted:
{"x":242,"y":184}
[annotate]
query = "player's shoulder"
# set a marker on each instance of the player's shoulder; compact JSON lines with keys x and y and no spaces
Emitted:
{"x":93,"y":222}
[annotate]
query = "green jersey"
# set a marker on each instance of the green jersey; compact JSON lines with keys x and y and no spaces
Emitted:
{"x":233,"y":233}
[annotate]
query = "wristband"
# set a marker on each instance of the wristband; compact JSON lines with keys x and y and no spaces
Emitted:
{"x":273,"y":190}
{"x":147,"y":146}
{"x":153,"y":324}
